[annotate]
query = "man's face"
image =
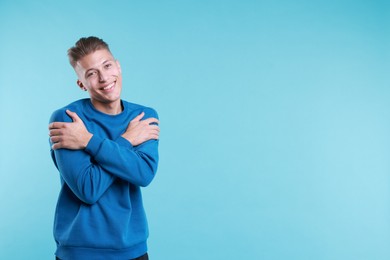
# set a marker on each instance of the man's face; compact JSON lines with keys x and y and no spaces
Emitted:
{"x":100,"y":74}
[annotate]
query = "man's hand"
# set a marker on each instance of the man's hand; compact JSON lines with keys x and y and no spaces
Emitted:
{"x":139,"y":131}
{"x":74,"y":136}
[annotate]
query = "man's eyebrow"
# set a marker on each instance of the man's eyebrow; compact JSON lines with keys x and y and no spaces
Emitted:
{"x":88,"y":70}
{"x":109,"y":60}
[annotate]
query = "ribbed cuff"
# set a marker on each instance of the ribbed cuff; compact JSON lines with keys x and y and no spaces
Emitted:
{"x":94,"y":145}
{"x":124,"y":142}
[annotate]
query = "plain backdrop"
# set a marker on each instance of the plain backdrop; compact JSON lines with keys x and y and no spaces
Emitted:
{"x":275,"y":130}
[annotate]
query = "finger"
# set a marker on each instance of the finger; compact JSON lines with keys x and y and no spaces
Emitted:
{"x":54,"y":132}
{"x":151,"y":120}
{"x":138,"y":118}
{"x":55,"y":139}
{"x":155,"y":128}
{"x":56,"y":146}
{"x":154,"y":133}
{"x":73,"y":115}
{"x":154,"y":136}
{"x":56,"y":125}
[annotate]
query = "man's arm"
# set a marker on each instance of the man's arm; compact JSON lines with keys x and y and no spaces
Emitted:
{"x":84,"y":177}
{"x":92,"y":167}
{"x":75,"y":135}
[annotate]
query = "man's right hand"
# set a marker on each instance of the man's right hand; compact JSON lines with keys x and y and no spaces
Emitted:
{"x":72,"y":136}
{"x":140,"y":131}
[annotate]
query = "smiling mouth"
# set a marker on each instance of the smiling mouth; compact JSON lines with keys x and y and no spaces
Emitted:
{"x":109,"y":87}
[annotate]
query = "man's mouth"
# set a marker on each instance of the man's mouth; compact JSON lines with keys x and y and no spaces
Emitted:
{"x":109,"y":87}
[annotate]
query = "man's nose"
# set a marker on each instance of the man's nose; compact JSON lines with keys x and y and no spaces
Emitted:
{"x":103,"y":77}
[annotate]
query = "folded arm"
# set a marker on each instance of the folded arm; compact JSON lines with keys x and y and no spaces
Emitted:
{"x":74,"y":135}
{"x":89,"y":164}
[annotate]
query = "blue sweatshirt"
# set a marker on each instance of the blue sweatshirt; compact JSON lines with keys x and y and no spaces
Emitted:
{"x":99,"y":213}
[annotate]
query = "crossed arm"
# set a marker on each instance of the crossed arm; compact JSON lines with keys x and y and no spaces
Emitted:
{"x":75,"y":135}
{"x":89,"y":164}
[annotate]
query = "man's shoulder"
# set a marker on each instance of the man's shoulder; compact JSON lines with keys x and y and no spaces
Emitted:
{"x":60,"y":114}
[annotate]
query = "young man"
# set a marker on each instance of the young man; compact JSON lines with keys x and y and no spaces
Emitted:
{"x":105,"y":149}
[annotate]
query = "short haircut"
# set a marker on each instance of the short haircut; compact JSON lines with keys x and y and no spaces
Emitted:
{"x":85,"y":46}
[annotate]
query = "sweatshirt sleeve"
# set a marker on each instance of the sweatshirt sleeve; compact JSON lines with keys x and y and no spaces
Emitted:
{"x":86,"y":178}
{"x":137,"y":165}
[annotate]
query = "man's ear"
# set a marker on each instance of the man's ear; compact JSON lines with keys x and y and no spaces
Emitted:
{"x":80,"y":84}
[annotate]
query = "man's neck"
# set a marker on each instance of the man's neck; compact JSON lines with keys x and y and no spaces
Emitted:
{"x":113,"y":108}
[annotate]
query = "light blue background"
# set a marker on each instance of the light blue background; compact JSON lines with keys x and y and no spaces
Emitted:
{"x":275,"y":139}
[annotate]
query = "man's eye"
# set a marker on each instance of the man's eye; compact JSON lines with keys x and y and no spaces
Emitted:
{"x":91,"y":74}
{"x":108,"y":65}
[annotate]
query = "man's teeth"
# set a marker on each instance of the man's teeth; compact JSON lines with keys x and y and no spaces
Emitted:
{"x":109,"y":86}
